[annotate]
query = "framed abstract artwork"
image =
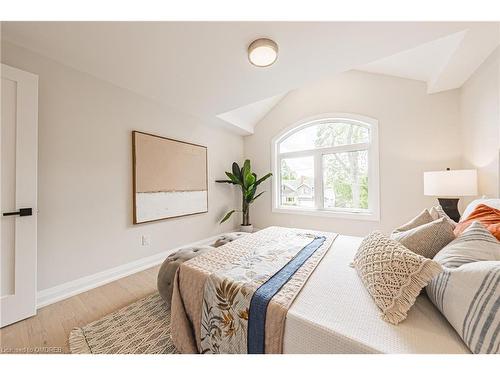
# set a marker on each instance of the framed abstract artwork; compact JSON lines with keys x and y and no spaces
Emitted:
{"x":170,"y":178}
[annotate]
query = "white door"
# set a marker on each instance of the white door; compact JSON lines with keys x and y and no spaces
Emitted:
{"x":18,"y":194}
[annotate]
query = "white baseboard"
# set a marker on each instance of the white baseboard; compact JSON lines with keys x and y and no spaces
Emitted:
{"x":58,"y":293}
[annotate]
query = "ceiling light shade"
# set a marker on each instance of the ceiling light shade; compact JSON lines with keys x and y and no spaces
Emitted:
{"x":262,"y":52}
{"x":455,"y":183}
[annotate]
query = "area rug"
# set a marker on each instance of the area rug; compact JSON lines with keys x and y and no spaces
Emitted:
{"x":140,"y":328}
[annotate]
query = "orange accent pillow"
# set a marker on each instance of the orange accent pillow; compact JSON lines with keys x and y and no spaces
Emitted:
{"x":486,"y":215}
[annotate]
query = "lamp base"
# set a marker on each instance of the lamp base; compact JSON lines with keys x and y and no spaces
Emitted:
{"x":450,"y":206}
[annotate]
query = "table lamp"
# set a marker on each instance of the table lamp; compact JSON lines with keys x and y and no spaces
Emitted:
{"x":448,"y":186}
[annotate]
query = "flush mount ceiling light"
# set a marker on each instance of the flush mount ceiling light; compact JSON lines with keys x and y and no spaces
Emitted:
{"x":262,"y":52}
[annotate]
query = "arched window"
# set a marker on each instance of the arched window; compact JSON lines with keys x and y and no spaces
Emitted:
{"x":328,"y":166}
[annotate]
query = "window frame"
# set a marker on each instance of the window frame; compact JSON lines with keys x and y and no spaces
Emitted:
{"x":373,"y":211}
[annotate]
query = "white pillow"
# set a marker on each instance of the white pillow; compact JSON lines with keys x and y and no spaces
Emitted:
{"x":467,"y":292}
{"x":490,"y":202}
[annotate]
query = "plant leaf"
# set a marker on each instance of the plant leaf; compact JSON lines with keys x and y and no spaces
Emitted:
{"x":226,"y":181}
{"x":232,"y":178}
{"x":237,"y":171}
{"x":227,"y":216}
{"x":246,"y":169}
{"x":249,"y":180}
{"x":261,"y":180}
{"x":250,"y":193}
{"x":258,"y":195}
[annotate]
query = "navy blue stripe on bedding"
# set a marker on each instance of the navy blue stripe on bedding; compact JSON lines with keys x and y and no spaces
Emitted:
{"x":263,"y":295}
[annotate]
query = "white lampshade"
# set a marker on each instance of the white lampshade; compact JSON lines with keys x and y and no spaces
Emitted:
{"x":456,"y":183}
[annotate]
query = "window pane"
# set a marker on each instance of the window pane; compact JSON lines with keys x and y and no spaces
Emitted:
{"x":345,"y":180}
{"x":297,"y":182}
{"x":326,"y":134}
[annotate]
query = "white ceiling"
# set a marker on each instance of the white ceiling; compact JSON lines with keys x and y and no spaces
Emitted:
{"x":445,"y":63}
{"x":419,"y":63}
{"x":202,"y":68}
{"x":249,"y":115}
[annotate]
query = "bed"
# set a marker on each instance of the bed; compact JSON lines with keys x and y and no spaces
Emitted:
{"x":335,"y":314}
{"x":330,"y":312}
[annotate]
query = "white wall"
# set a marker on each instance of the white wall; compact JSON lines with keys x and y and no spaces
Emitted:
{"x":85,"y":172}
{"x":85,"y":176}
{"x":417,"y":132}
{"x":480,"y":124}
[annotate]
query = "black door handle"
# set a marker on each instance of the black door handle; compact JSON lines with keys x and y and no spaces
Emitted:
{"x":21,"y":212}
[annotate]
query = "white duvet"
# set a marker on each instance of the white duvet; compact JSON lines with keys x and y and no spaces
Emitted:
{"x":335,"y":314}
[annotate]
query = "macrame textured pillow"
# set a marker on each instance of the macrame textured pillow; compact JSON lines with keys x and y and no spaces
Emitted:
{"x":467,"y":292}
{"x":392,"y":274}
{"x":427,"y":239}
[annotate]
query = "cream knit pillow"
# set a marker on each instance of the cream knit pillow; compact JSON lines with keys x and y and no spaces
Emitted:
{"x":427,"y":239}
{"x":392,"y":274}
{"x":422,"y":218}
{"x":437,"y":212}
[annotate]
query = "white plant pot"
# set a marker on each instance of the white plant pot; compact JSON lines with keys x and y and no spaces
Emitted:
{"x":246,"y":228}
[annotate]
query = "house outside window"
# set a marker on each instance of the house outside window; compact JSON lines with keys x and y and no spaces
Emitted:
{"x":328,"y":166}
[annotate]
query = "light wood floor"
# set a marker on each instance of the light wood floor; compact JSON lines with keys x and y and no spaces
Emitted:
{"x":48,"y":331}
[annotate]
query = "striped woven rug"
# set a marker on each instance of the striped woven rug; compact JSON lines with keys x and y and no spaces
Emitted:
{"x":140,"y":328}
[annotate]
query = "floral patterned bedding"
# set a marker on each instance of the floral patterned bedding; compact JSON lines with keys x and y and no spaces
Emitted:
{"x":215,"y":293}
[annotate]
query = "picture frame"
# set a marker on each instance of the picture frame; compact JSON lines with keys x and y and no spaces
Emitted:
{"x":170,"y":178}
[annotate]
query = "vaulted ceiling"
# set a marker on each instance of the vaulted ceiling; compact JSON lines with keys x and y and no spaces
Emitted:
{"x":201,"y":68}
{"x":445,"y":63}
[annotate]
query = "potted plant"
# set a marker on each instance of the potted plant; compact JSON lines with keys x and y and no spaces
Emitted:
{"x":248,"y":182}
